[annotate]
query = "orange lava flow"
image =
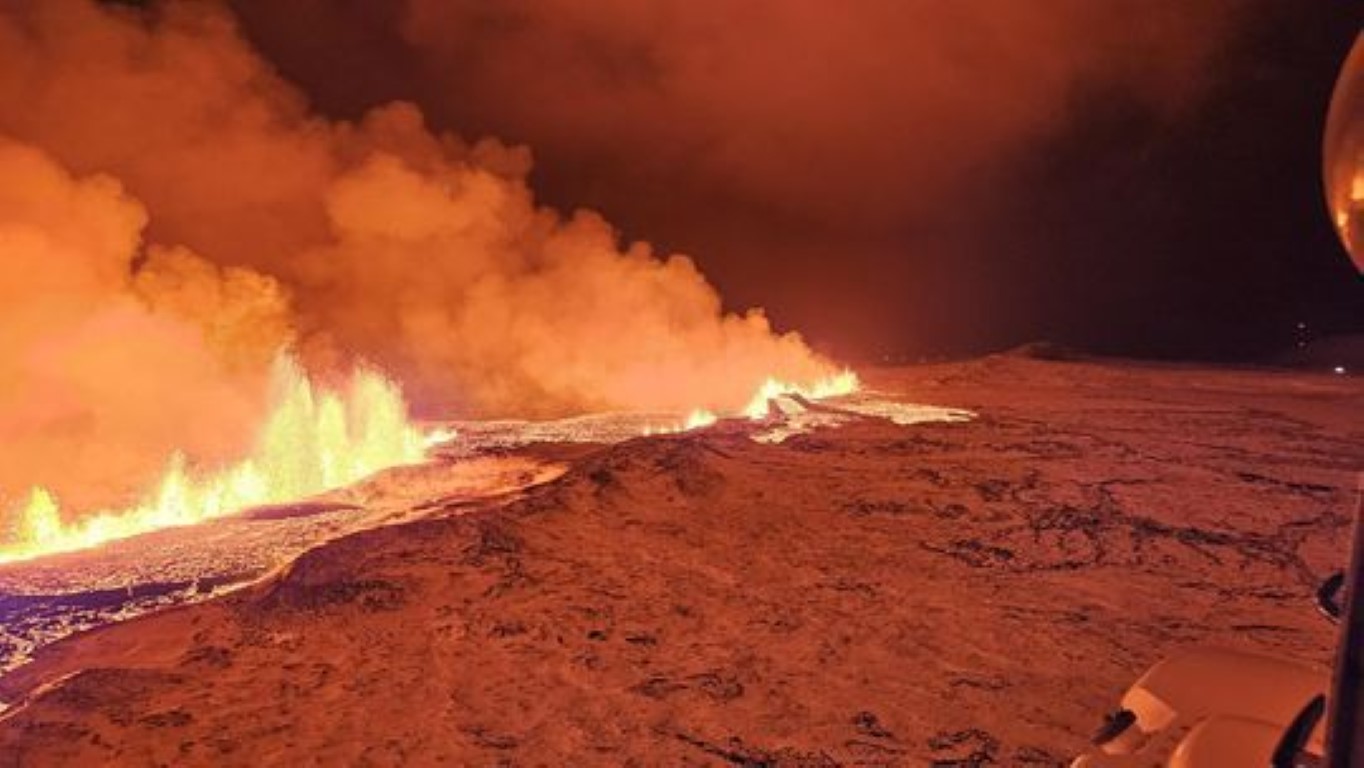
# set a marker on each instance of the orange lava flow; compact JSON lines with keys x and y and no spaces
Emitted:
{"x":844,"y":382}
{"x":312,"y":441}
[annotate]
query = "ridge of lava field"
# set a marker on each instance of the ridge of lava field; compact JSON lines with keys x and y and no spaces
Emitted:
{"x":47,"y":599}
{"x":962,"y":591}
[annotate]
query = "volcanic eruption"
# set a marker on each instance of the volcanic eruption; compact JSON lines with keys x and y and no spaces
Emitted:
{"x":337,"y":427}
{"x":179,"y":228}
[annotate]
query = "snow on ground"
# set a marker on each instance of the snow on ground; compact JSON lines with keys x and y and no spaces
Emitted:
{"x":48,"y":599}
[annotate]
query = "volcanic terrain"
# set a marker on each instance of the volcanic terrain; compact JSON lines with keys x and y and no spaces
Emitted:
{"x":962,"y":594}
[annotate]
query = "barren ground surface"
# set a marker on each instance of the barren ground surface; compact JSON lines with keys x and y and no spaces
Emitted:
{"x":953,"y":594}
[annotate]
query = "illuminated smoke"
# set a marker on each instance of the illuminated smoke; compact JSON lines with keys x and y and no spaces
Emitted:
{"x":850,"y":165}
{"x":420,"y":252}
{"x":171,"y":215}
{"x":97,"y":386}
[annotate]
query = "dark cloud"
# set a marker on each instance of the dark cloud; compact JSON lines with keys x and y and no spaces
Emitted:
{"x":173,"y":215}
{"x":868,"y":170}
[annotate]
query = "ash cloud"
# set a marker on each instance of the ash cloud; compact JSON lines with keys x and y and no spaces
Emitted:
{"x":173,"y":212}
{"x":855,"y":165}
{"x":207,"y":199}
{"x":848,"y":115}
{"x":98,"y":386}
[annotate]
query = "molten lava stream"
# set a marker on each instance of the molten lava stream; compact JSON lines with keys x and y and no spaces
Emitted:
{"x":844,"y":382}
{"x":312,"y":441}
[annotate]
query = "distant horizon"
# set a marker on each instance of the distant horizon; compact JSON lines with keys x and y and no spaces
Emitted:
{"x":1288,"y":356}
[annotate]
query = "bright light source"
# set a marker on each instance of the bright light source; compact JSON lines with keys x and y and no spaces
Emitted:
{"x":1338,"y":369}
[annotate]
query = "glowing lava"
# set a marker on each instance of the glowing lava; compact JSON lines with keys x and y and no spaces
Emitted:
{"x":313,"y":440}
{"x":842,"y":383}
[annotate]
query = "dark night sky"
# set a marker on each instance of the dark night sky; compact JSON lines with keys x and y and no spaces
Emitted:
{"x":1130,"y":178}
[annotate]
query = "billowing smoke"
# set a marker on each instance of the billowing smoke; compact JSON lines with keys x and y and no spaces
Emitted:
{"x":171,"y":213}
{"x":98,"y":385}
{"x":857,"y":167}
{"x":871,"y":100}
{"x":173,"y":210}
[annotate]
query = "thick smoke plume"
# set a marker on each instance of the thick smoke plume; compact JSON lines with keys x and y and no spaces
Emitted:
{"x":98,"y":385}
{"x":171,"y":213}
{"x":173,"y":210}
{"x":851,"y":165}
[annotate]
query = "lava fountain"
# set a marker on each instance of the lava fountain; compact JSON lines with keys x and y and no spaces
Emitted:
{"x":842,"y":383}
{"x":313,"y":440}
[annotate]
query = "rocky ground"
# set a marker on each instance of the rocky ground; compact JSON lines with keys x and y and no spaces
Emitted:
{"x":955,"y":594}
{"x":45,"y":600}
